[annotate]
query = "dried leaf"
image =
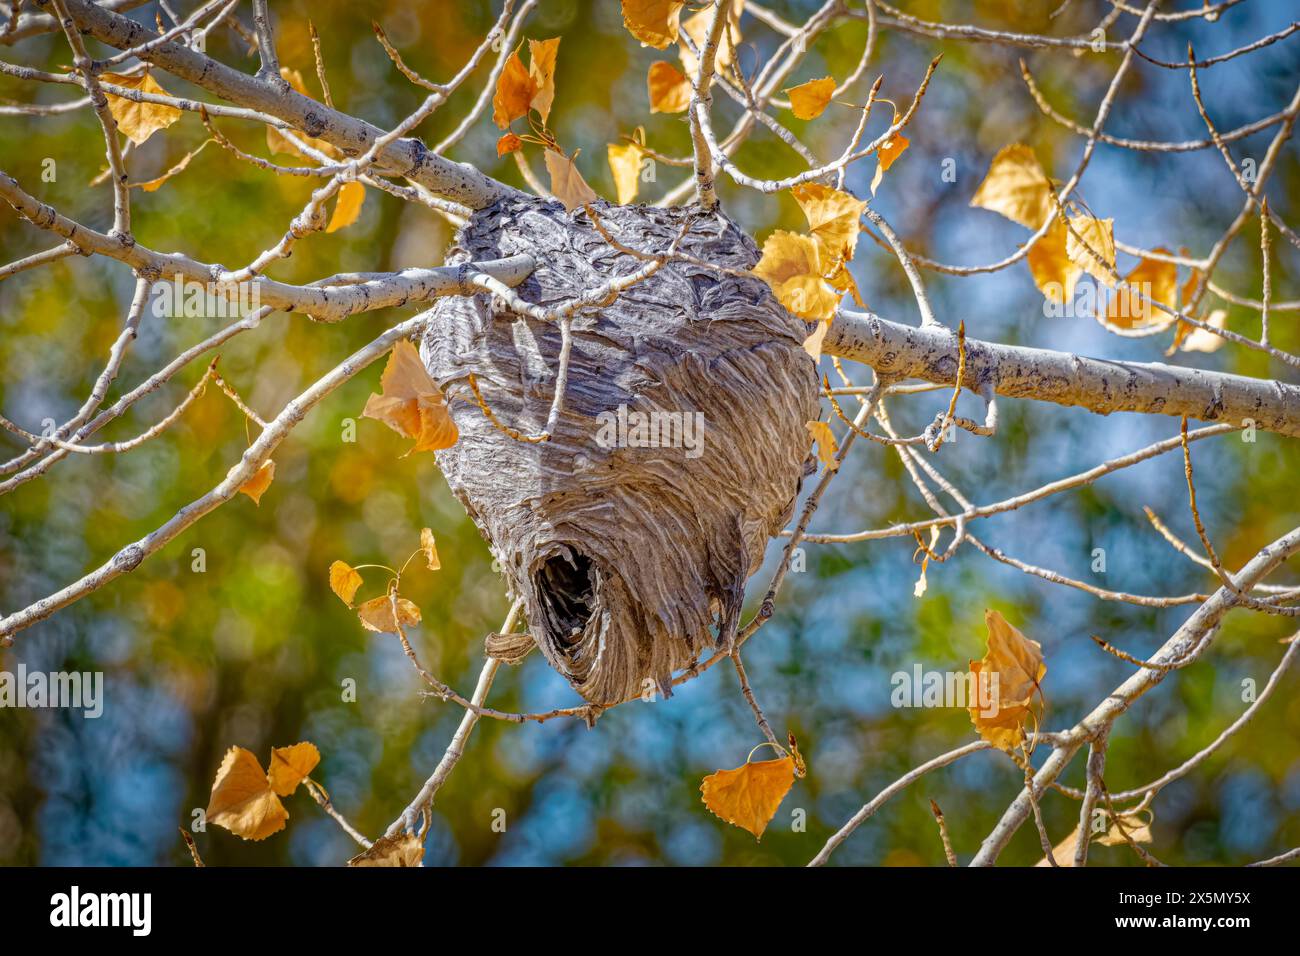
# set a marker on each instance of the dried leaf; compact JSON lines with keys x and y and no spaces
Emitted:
{"x":668,"y":87}
{"x":347,"y":207}
{"x":1016,"y":663}
{"x":809,"y":100}
{"x":1156,"y":280}
{"x":242,"y":799}
{"x":791,"y":265}
{"x":825,"y":441}
{"x":654,"y":22}
{"x":430,"y":549}
{"x":402,"y":850}
{"x":748,"y":796}
{"x":1017,"y":187}
{"x":567,"y":184}
{"x":377,"y":614}
{"x":139,"y":121}
{"x":410,"y":403}
{"x":290,"y":766}
{"x":1094,"y":248}
{"x":344,"y":581}
{"x":1136,"y":823}
{"x":625,"y":164}
{"x":256,"y":486}
{"x":541,"y":70}
{"x":813,"y":344}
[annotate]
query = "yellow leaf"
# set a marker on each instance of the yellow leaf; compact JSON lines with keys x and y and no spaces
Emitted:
{"x":809,"y":100}
{"x":347,"y":207}
{"x":833,"y":216}
{"x":654,"y":22}
{"x":344,"y":581}
{"x":410,"y":403}
{"x":1154,"y":279}
{"x":1200,"y":340}
{"x":1054,"y":272}
{"x":889,"y":151}
{"x":515,"y":90}
{"x":256,"y":486}
{"x":668,"y":87}
{"x":697,"y":28}
{"x":1017,"y":187}
{"x":792,"y":267}
{"x":242,"y":799}
{"x":1005,"y":682}
{"x":541,"y":70}
{"x":1094,"y":248}
{"x":748,"y":796}
{"x":841,"y":280}
{"x":567,"y":184}
{"x":153,"y":184}
{"x":139,"y":121}
{"x":290,"y":766}
{"x":813,"y":344}
{"x":430,"y":549}
{"x":403,"y":850}
{"x":508,"y":143}
{"x":377,"y":614}
{"x":825,"y":440}
{"x":625,"y":164}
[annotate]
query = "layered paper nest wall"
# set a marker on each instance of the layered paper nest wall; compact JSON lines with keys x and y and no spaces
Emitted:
{"x":631,"y":561}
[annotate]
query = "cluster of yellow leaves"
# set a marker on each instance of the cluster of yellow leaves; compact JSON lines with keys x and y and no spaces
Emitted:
{"x":1135,"y":823}
{"x":808,"y":274}
{"x":410,"y":403}
{"x":658,"y":24}
{"x":246,"y":800}
{"x":749,"y":795}
{"x":1018,"y":665}
{"x":377,"y":614}
{"x":351,"y":196}
{"x":1017,"y":187}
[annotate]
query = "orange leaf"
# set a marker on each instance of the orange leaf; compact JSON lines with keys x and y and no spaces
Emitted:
{"x":344,"y":581}
{"x":809,"y":100}
{"x":242,"y":799}
{"x":139,"y":121}
{"x":748,"y":796}
{"x":410,"y":403}
{"x":508,"y":143}
{"x":256,"y":486}
{"x":515,"y":89}
{"x":290,"y":766}
{"x":347,"y":207}
{"x":1005,"y":683}
{"x":654,"y":22}
{"x":668,"y":88}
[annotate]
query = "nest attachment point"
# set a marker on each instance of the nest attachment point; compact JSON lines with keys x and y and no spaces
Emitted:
{"x":631,"y":557}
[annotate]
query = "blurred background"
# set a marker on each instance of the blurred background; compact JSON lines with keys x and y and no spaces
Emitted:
{"x":255,"y":651}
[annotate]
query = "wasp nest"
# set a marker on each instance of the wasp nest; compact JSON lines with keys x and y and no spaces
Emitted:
{"x":631,"y":532}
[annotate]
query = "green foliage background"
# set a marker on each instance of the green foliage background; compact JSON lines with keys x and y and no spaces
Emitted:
{"x":254,"y":650}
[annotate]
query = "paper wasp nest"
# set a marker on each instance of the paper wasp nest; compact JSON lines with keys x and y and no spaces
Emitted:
{"x":631,"y":559}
